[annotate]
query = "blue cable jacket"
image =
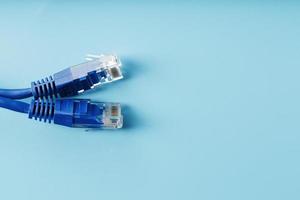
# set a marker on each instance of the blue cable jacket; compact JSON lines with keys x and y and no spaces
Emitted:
{"x":14,"y":105}
{"x":16,"y":93}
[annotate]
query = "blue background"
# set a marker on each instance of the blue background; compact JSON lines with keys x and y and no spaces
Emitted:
{"x":211,"y":95}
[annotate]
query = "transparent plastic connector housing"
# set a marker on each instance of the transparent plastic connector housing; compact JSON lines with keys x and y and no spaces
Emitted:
{"x":98,"y":70}
{"x":107,"y":68}
{"x":100,"y":115}
{"x":112,"y":116}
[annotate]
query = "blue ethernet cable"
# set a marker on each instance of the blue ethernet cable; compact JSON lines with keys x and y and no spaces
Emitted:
{"x":17,"y":106}
{"x":72,"y":81}
{"x":16,"y":93}
{"x":80,"y":113}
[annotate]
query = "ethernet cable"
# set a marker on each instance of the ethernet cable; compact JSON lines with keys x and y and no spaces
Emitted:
{"x":98,"y":70}
{"x":80,"y":113}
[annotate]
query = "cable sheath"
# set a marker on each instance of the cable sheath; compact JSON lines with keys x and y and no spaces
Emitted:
{"x":17,"y":106}
{"x":16,"y":93}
